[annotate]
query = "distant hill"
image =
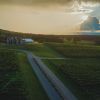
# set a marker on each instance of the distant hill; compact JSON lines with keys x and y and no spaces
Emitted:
{"x":49,"y":38}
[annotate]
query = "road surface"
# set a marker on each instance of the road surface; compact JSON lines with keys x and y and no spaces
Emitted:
{"x":49,"y":89}
{"x":54,"y":88}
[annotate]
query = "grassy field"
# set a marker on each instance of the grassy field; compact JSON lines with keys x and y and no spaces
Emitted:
{"x":76,"y":50}
{"x":17,"y":80}
{"x":81,"y":78}
{"x":11,"y":85}
{"x":39,"y":49}
{"x":80,"y":71}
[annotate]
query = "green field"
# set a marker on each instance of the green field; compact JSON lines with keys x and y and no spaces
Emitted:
{"x":17,"y":80}
{"x":11,"y":85}
{"x":80,"y":71}
{"x":39,"y":49}
{"x":81,"y":78}
{"x":76,"y":50}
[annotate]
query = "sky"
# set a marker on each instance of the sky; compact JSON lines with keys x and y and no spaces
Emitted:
{"x":32,"y":2}
{"x":45,"y":16}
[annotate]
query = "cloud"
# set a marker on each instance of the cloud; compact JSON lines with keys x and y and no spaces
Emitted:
{"x":96,"y":12}
{"x":33,"y":2}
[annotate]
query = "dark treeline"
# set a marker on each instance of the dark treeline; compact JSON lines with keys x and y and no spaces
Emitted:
{"x":48,"y":38}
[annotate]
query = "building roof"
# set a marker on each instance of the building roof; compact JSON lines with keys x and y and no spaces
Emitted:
{"x":27,"y":40}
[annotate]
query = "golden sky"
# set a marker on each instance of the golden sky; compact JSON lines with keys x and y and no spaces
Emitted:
{"x":52,"y":19}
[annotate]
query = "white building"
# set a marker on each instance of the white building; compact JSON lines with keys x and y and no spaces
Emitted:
{"x":27,"y":40}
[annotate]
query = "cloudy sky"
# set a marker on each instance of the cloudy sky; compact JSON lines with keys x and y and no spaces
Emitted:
{"x":45,"y":16}
{"x":41,"y":1}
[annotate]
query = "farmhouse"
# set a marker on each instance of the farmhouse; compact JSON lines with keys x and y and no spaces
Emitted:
{"x":27,"y":40}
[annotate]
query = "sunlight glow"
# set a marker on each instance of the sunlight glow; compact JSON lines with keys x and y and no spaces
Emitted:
{"x":44,"y":20}
{"x":84,"y":17}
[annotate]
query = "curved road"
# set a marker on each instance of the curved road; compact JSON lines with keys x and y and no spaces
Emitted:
{"x":46,"y":84}
{"x":49,"y":89}
{"x":54,"y":88}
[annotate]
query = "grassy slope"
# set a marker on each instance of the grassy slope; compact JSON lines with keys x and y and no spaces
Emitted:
{"x":39,"y":49}
{"x":26,"y":74}
{"x":44,"y":51}
{"x":66,"y":80}
{"x":82,"y":63}
{"x":11,"y":87}
{"x":71,"y":83}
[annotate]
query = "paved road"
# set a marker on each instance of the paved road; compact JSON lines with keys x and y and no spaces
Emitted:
{"x":54,"y":88}
{"x":48,"y":87}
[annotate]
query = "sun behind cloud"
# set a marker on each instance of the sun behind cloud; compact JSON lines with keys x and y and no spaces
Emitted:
{"x":84,"y":17}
